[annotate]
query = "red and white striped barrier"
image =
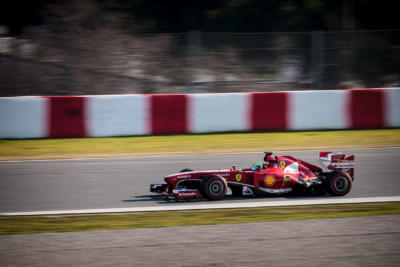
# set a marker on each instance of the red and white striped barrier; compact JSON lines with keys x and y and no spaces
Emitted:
{"x":126,"y":115}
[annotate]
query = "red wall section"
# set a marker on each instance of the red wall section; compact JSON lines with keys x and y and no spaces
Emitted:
{"x":367,"y":108}
{"x":66,"y":116}
{"x":169,"y":114}
{"x":269,"y":111}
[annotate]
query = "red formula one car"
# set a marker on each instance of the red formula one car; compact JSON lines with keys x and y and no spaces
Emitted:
{"x":277,"y":175}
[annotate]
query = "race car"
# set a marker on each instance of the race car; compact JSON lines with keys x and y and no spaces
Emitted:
{"x":277,"y":175}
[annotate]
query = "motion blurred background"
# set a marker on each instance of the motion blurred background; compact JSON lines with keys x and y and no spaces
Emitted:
{"x":76,"y":47}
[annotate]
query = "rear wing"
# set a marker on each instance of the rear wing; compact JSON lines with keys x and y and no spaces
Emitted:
{"x":337,"y":161}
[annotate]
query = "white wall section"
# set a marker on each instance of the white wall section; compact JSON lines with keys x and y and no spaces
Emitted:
{"x":117,"y":115}
{"x":219,"y":112}
{"x":392,"y":98}
{"x":318,"y":110}
{"x":23,"y":117}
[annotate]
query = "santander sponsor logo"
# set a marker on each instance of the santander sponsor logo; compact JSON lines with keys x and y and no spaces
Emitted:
{"x":187,"y":194}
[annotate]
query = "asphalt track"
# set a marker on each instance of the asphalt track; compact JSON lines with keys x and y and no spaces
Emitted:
{"x":124,"y":182}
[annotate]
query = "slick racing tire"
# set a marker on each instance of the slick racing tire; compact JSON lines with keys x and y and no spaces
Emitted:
{"x":213,"y":187}
{"x":186,"y":170}
{"x":339,"y":184}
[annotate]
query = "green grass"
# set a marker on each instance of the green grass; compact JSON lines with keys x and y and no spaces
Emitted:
{"x":194,"y":144}
{"x":73,"y":223}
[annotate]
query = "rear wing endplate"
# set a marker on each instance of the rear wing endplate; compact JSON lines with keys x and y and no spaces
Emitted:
{"x":337,"y":161}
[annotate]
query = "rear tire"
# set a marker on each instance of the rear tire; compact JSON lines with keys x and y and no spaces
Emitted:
{"x":339,"y":184}
{"x":213,"y":187}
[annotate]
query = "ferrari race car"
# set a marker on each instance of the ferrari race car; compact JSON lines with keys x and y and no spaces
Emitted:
{"x":277,"y":175}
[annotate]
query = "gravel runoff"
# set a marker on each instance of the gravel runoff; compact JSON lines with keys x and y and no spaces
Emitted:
{"x":363,"y":241}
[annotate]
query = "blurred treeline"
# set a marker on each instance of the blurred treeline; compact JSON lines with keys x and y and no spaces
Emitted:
{"x":50,"y":47}
{"x":166,"y":16}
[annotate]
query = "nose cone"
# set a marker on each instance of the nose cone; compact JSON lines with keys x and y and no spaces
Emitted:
{"x":170,"y":178}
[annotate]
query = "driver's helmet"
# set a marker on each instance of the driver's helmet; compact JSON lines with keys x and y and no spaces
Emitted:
{"x":256,"y":166}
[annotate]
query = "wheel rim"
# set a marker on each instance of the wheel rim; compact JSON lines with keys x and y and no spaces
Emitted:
{"x":216,"y":188}
{"x":341,"y":184}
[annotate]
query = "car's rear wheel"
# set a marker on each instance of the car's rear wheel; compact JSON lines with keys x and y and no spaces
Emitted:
{"x":213,"y":187}
{"x":339,"y":184}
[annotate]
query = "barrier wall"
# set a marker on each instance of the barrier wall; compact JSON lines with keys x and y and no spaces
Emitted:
{"x":126,"y":115}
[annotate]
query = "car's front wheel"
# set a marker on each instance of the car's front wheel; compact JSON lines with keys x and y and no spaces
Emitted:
{"x":213,"y":187}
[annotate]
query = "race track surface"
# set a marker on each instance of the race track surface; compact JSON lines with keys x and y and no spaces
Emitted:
{"x":124,"y":182}
{"x":366,"y":241}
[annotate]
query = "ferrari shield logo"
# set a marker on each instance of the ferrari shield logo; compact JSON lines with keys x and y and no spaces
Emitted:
{"x":238,"y":177}
{"x":283,"y":164}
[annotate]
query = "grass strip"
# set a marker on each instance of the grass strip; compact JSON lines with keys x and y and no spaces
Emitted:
{"x":195,"y":144}
{"x":75,"y":223}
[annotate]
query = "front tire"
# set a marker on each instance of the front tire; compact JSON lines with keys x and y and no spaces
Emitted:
{"x":213,"y":187}
{"x":339,"y":184}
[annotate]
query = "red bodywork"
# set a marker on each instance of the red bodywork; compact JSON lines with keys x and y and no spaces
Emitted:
{"x":273,"y":178}
{"x":279,"y":174}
